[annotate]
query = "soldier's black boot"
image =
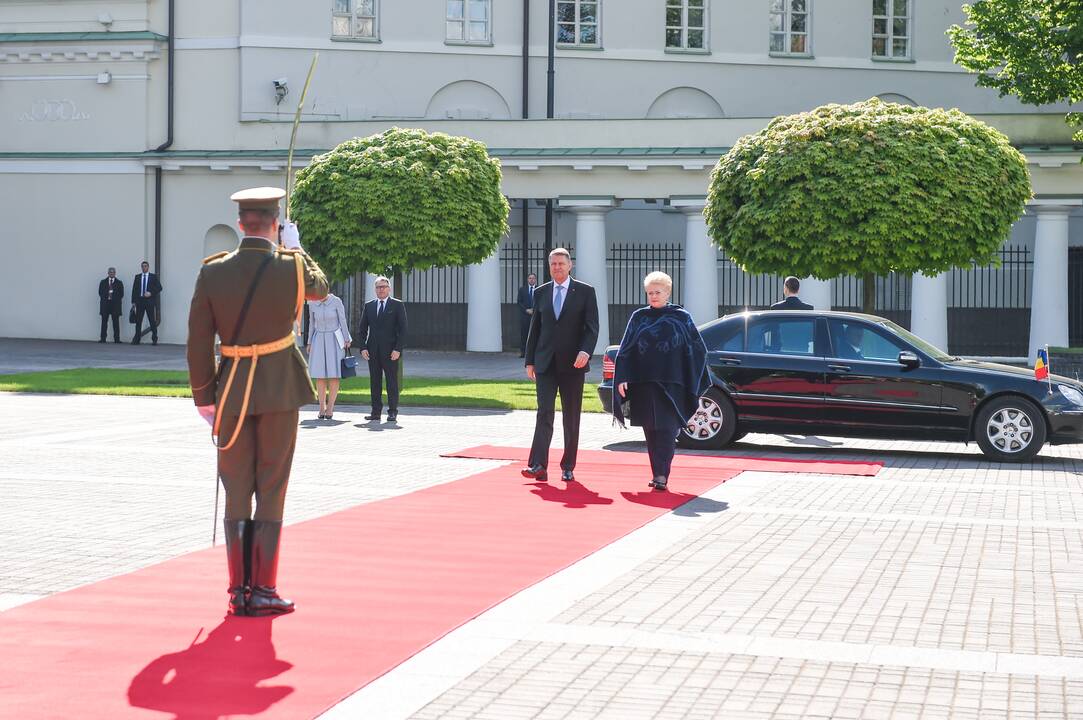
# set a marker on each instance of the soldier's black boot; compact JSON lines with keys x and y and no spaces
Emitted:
{"x":264,"y":599}
{"x":236,"y":558}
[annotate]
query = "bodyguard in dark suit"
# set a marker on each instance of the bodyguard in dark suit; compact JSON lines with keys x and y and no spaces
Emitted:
{"x":382,"y":333}
{"x":110,"y":303}
{"x":526,"y":309}
{"x":789,"y":293}
{"x":145,"y":291}
{"x":563,"y":333}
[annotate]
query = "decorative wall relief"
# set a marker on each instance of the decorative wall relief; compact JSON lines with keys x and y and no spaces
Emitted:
{"x":53,"y":111}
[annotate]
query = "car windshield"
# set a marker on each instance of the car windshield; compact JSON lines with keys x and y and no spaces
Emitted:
{"x":929,"y":349}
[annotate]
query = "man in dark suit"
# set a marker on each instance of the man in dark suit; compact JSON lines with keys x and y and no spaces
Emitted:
{"x":790,"y":300}
{"x":526,"y":309}
{"x":145,"y":291}
{"x":110,"y":303}
{"x":382,"y":333}
{"x":563,"y":333}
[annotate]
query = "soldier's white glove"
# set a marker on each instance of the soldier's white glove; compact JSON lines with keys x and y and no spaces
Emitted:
{"x":207,"y":413}
{"x":291,"y":238}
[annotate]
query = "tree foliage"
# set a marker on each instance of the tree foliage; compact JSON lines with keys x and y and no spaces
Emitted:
{"x":400,"y":200}
{"x":1032,"y":49}
{"x":864,"y":189}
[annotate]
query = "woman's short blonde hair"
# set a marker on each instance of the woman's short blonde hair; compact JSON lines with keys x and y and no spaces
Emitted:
{"x":658,"y":278}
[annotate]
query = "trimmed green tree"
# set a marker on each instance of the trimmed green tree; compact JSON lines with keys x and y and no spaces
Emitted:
{"x":867,"y":189}
{"x":398,"y":201}
{"x":1032,"y":49}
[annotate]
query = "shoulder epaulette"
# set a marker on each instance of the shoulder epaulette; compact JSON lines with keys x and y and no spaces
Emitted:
{"x":289,"y":251}
{"x":212,"y":258}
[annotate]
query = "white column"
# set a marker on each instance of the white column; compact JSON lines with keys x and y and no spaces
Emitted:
{"x":816,"y":293}
{"x":929,"y":308}
{"x":483,"y":305}
{"x":1048,"y":306}
{"x":699,"y":293}
{"x":590,"y":254}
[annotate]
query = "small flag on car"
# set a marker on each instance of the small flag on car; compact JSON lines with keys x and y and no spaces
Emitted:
{"x":1041,"y":365}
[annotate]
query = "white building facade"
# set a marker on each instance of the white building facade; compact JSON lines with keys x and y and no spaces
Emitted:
{"x":126,"y":125}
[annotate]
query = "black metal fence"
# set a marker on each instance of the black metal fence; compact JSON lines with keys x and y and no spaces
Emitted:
{"x":988,"y":306}
{"x":1075,"y":296}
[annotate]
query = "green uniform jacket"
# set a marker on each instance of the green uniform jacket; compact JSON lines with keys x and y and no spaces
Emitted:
{"x":281,"y":381}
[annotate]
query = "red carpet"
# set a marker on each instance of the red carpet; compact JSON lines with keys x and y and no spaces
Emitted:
{"x":374,"y":585}
{"x":681,"y":462}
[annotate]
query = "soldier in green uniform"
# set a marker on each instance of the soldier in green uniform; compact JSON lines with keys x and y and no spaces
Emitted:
{"x":250,"y":298}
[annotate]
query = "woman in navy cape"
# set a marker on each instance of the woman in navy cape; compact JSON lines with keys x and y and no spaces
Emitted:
{"x":661,"y":370}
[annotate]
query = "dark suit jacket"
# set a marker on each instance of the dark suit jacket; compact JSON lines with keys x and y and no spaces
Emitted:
{"x":555,"y":343}
{"x":791,"y":303}
{"x":388,"y":332}
{"x":525,"y":302}
{"x":115,"y":305}
{"x":153,"y":287}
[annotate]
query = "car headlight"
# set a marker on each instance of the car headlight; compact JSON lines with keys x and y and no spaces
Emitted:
{"x":1071,"y":394}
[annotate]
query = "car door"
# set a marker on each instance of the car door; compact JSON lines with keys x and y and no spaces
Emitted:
{"x":779,"y":378}
{"x":867,"y":389}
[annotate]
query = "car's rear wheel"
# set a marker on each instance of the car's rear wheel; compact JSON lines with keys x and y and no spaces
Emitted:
{"x":714,"y":424}
{"x":1010,"y":429}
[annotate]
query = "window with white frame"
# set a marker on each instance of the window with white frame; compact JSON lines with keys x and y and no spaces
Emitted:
{"x":577,"y":23}
{"x":790,"y":25}
{"x":686,"y":24}
{"x":354,"y":19}
{"x":469,"y":21}
{"x":891,"y":29}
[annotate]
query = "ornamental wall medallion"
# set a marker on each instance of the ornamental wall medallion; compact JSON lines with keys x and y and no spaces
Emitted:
{"x":53,"y":111}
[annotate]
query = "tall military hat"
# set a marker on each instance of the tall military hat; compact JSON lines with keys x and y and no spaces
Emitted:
{"x":261,"y":198}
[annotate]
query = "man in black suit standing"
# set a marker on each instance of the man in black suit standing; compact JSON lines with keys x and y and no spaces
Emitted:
{"x":145,"y":291}
{"x":563,"y":333}
{"x":790,"y":300}
{"x":382,"y":333}
{"x":526,"y":309}
{"x":110,"y":303}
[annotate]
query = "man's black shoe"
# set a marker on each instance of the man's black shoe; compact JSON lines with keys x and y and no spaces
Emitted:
{"x":567,"y":476}
{"x":534,"y":471}
{"x":372,"y":416}
{"x":135,"y":342}
{"x":392,"y":417}
{"x":154,"y":341}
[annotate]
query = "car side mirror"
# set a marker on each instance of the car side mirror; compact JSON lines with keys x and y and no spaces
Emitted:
{"x":909,"y":360}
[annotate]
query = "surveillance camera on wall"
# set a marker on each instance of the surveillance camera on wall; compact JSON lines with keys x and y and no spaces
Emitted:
{"x":280,"y":90}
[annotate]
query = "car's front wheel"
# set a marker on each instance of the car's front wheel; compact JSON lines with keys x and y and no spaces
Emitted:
{"x":1010,"y":429}
{"x":714,"y":424}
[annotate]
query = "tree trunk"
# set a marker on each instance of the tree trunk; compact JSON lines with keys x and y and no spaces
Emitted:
{"x":868,"y":294}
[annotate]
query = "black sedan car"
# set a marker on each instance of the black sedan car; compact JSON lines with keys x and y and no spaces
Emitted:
{"x":854,"y":375}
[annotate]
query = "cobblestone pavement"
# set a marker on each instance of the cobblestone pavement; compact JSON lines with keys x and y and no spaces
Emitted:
{"x":943,"y":587}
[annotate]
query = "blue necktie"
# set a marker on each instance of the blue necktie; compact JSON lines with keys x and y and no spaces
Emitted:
{"x":558,"y":301}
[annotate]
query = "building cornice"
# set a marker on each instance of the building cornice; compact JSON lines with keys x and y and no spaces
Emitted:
{"x":80,"y":47}
{"x":582,"y":159}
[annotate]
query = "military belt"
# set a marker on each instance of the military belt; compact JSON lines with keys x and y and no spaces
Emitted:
{"x":244,"y":351}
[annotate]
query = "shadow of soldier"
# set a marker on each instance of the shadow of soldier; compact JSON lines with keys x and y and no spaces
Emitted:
{"x":215,"y":678}
{"x":573,"y":495}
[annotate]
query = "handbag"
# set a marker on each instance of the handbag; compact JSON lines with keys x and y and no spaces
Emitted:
{"x":348,"y":366}
{"x":131,"y":315}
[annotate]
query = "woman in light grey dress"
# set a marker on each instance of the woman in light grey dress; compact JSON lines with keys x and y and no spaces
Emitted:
{"x":328,"y":338}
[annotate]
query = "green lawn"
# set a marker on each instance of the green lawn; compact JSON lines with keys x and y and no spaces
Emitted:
{"x":431,"y":392}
